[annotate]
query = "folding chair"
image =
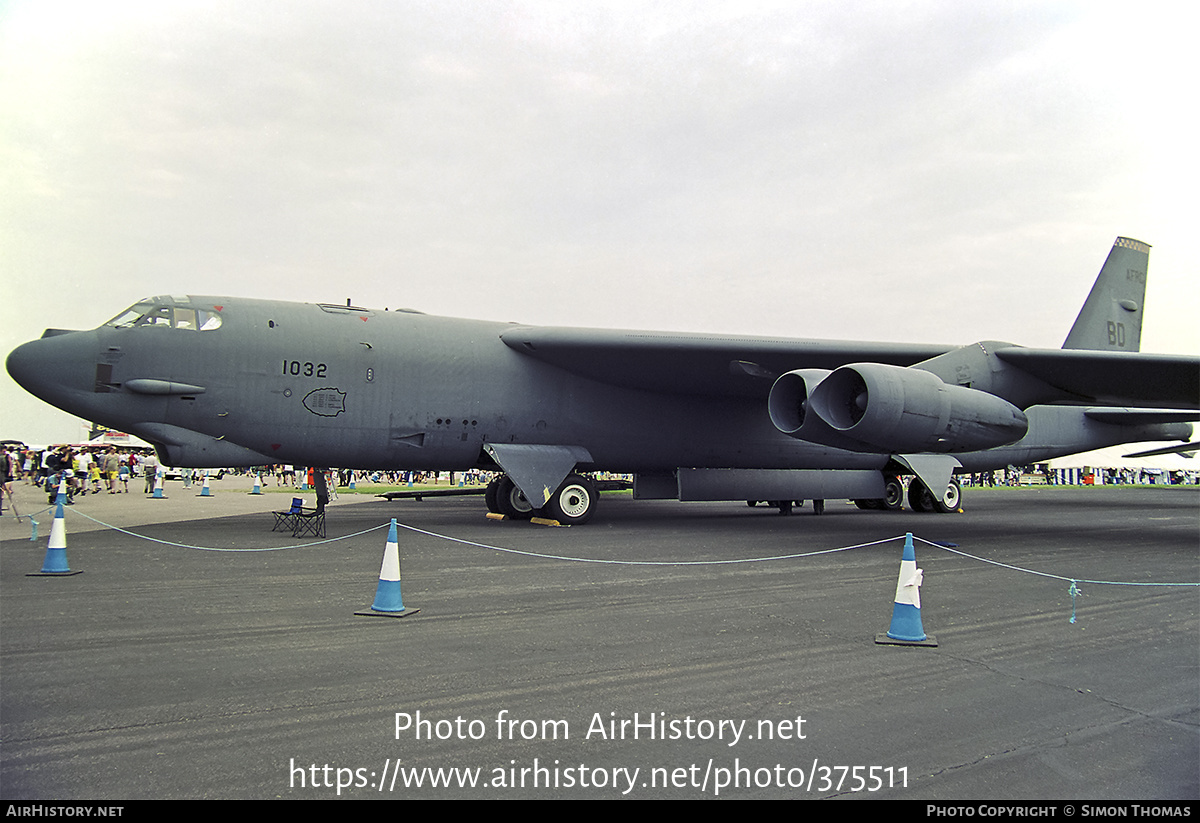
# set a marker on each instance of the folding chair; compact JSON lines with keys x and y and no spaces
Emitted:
{"x":286,"y":521}
{"x":310,"y":521}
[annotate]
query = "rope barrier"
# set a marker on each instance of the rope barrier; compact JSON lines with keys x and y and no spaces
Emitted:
{"x":643,"y":562}
{"x":1074,"y":581}
{"x":214,"y":549}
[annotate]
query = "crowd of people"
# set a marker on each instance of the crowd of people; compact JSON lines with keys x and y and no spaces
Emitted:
{"x":87,"y":470}
{"x":108,"y":469}
{"x":1042,"y":474}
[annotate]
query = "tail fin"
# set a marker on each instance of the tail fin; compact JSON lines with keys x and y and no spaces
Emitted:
{"x":1111,"y":318}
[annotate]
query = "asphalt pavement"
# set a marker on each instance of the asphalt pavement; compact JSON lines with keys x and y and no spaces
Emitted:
{"x":664,"y":650}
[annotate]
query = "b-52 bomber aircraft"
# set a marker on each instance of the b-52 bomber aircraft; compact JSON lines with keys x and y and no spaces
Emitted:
{"x":222,"y":381}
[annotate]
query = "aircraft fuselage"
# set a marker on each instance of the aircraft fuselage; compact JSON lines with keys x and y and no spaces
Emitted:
{"x":329,"y":385}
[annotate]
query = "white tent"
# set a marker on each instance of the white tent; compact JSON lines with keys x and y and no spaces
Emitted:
{"x":1113,"y":458}
{"x":120,"y":440}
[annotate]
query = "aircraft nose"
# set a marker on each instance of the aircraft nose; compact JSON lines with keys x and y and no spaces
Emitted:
{"x":55,"y":365}
{"x":23,"y":363}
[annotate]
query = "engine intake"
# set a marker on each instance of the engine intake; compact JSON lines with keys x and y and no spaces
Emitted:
{"x":788,"y":402}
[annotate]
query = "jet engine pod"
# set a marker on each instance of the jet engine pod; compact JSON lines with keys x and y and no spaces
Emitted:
{"x":910,"y":410}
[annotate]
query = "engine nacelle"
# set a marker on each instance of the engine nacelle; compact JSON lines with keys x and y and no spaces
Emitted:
{"x":904,"y":410}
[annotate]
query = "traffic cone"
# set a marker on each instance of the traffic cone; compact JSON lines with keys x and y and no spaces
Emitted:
{"x":62,"y":490}
{"x":158,"y":487}
{"x":55,"y":564}
{"x":205,"y":491}
{"x":906,"y":629}
{"x":257,"y":484}
{"x":388,"y":600}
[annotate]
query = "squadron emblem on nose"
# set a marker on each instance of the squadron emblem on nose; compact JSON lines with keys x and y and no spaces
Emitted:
{"x":326,"y":402}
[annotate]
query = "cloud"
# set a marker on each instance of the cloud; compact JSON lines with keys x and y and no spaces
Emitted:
{"x":922,"y":171}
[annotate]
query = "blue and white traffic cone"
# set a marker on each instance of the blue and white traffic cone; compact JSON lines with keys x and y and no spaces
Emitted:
{"x":352,"y":486}
{"x":388,"y":600}
{"x":55,"y":563}
{"x":62,"y":491}
{"x":205,"y":491}
{"x":257,"y":485}
{"x":158,"y":487}
{"x":906,"y":626}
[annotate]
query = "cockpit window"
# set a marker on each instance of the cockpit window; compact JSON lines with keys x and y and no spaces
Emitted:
{"x":178,"y":317}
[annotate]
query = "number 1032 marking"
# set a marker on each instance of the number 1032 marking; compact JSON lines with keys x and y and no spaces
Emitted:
{"x":306,"y":369}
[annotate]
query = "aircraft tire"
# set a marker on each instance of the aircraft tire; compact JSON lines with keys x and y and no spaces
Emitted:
{"x":893,"y":493}
{"x":575,"y":501}
{"x":920,"y":499}
{"x":511,"y":501}
{"x":951,"y":500}
{"x":490,"y":496}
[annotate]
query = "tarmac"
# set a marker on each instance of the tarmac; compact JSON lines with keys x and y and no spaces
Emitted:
{"x":662,"y":651}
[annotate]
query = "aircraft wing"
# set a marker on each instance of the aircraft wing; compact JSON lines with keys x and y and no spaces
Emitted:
{"x":1113,"y":377}
{"x":698,"y":364}
{"x":738,"y":366}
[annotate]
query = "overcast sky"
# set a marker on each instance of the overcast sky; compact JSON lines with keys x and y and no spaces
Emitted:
{"x":924,"y":171}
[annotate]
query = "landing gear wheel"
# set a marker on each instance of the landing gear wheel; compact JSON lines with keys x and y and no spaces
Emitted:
{"x":893,"y":493}
{"x":490,"y":496}
{"x":511,"y":501}
{"x":575,"y":501}
{"x":951,"y":500}
{"x":920,"y":499}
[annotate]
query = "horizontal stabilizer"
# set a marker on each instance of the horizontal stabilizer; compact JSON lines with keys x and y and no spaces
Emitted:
{"x":1180,"y":449}
{"x":1141,"y":417}
{"x":1120,"y":378}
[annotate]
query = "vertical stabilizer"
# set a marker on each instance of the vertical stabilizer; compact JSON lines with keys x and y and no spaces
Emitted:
{"x":1111,"y":318}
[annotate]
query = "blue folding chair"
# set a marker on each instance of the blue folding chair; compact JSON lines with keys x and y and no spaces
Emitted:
{"x":286,"y":521}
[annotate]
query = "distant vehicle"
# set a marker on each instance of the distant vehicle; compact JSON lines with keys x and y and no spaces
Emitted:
{"x":222,"y":381}
{"x":173,"y":473}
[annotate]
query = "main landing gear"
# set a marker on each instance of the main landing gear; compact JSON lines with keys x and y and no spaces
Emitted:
{"x":573,"y":503}
{"x":920,"y":498}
